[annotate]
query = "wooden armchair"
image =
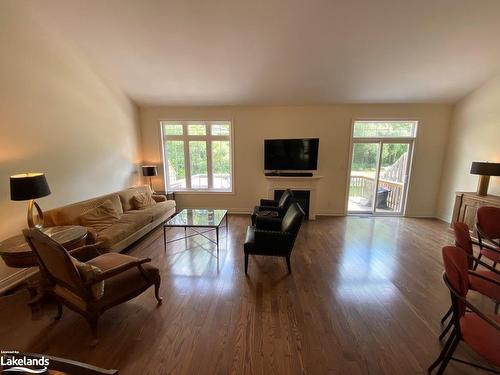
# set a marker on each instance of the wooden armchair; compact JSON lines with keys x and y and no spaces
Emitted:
{"x":88,"y":282}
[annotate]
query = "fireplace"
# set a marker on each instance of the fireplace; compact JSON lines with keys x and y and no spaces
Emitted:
{"x":302,"y":197}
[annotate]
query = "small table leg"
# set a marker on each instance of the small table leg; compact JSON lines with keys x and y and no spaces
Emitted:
{"x":165,"y":238}
{"x":217,"y":236}
{"x":226,"y":224}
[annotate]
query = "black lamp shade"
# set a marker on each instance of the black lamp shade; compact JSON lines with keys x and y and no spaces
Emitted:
{"x":149,"y":170}
{"x":28,"y":186}
{"x":485,"y":169}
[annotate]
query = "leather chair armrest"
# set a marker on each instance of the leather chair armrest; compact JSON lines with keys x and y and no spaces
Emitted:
{"x":268,"y":223}
{"x":268,"y":208}
{"x":85,"y":253}
{"x":268,"y":202}
{"x":119,"y":269}
{"x":159,"y":198}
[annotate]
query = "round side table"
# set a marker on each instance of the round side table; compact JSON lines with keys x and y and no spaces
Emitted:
{"x":16,"y":253}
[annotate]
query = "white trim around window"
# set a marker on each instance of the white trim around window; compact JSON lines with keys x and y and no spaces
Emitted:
{"x":185,"y":135}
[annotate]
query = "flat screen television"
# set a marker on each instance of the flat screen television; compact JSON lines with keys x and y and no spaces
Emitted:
{"x":291,"y":154}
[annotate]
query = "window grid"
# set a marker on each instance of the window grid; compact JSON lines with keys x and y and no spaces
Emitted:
{"x":185,"y":137}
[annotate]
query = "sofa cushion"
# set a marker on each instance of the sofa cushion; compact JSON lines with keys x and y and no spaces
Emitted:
{"x":101,"y":217}
{"x":121,"y":229}
{"x":69,"y":215}
{"x":143,"y":200}
{"x":156,"y":211}
{"x":127,"y":196}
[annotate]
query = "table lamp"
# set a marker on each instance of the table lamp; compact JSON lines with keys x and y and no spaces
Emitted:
{"x":150,"y":171}
{"x":28,"y":187}
{"x":484,"y":170}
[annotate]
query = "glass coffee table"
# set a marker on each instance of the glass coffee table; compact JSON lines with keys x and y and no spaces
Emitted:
{"x":193,"y":218}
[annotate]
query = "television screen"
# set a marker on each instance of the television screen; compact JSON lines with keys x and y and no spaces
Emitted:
{"x":291,"y":154}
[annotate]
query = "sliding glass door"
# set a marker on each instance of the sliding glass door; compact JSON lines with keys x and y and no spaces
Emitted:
{"x":380,"y":167}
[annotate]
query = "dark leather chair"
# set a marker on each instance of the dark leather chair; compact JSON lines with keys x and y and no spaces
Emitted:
{"x":278,"y":207}
{"x":88,"y":282}
{"x":274,"y":236}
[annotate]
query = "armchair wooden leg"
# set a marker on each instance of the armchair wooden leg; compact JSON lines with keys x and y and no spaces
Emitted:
{"x":288,"y":264}
{"x":92,"y":321}
{"x":246,"y":264}
{"x":157,"y":291}
{"x":59,"y":310}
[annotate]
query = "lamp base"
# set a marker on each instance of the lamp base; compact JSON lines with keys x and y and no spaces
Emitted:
{"x":31,"y":221}
{"x":482,"y":185}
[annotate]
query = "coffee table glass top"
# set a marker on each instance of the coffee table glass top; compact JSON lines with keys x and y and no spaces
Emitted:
{"x":196,"y":217}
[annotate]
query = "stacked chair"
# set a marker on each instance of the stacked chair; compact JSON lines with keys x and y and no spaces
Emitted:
{"x":274,"y":235}
{"x":468,"y":324}
{"x":273,"y":208}
{"x":488,"y":233}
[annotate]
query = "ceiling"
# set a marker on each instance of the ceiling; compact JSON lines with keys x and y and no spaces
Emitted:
{"x":234,"y":52}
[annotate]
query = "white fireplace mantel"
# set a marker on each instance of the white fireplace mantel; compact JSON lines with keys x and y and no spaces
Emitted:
{"x":296,"y":183}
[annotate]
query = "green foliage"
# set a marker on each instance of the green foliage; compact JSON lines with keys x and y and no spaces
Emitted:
{"x":365,"y":155}
{"x":384,"y":129}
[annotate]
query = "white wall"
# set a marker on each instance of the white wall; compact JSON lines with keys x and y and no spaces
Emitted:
{"x":474,"y":136}
{"x":59,"y":117}
{"x":332,"y":124}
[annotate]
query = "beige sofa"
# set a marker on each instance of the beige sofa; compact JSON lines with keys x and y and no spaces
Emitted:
{"x":132,"y":225}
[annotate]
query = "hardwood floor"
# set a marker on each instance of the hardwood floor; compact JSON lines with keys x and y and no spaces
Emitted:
{"x":365,"y":297}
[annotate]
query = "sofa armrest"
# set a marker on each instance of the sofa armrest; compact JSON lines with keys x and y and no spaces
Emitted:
{"x":159,"y":198}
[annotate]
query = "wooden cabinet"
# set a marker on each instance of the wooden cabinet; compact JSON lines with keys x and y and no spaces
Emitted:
{"x":466,"y":205}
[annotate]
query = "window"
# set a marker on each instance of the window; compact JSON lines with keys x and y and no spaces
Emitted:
{"x":197,"y":155}
{"x":385,"y":129}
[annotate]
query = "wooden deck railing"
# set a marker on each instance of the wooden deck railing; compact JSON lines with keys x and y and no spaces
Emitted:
{"x":362,"y":186}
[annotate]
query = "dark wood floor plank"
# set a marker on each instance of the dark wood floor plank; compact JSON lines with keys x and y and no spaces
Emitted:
{"x":365,"y":297}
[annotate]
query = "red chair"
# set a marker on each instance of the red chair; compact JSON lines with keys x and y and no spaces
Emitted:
{"x":483,"y":281}
{"x":488,"y":229}
{"x":478,"y":331}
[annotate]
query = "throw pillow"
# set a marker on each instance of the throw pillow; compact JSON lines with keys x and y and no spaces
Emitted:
{"x":143,"y":200}
{"x":101,"y":217}
{"x":88,"y":274}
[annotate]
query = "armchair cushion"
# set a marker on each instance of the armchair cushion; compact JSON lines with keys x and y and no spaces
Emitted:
{"x":475,"y":330}
{"x":100,"y":217}
{"x":85,"y":253}
{"x":89,"y":273}
{"x":143,"y":200}
{"x":126,"y":284}
{"x":494,"y":255}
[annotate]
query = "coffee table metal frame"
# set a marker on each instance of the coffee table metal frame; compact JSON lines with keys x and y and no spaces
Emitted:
{"x":197,"y":233}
